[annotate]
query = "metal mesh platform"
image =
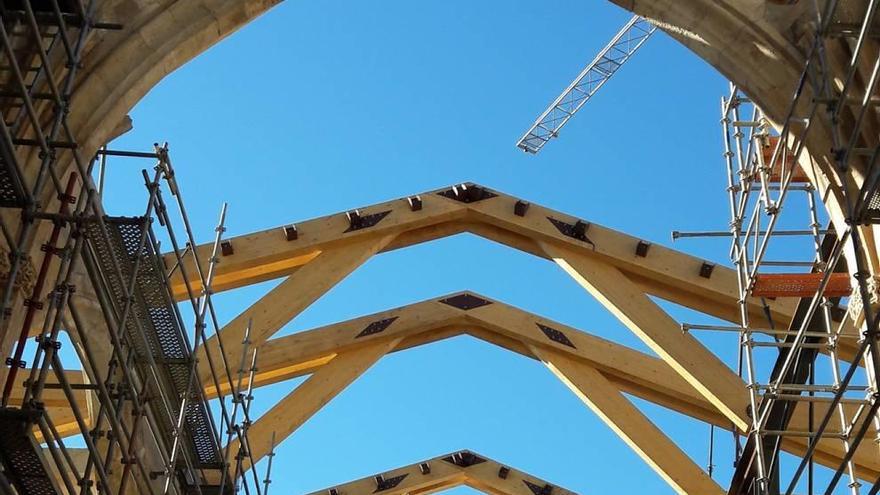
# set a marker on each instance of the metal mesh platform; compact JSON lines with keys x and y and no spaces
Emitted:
{"x":871,"y":211}
{"x":155,"y":311}
{"x":11,"y":192}
{"x":21,"y":454}
{"x":66,"y":6}
{"x":800,"y":285}
{"x":25,"y":53}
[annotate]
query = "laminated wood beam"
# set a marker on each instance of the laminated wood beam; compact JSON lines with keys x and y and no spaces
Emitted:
{"x":309,"y":397}
{"x":270,"y":254}
{"x":662,"y":271}
{"x":495,"y":322}
{"x":445,"y":472}
{"x":631,"y":371}
{"x":633,"y":427}
{"x":690,"y":359}
{"x":287,"y":300}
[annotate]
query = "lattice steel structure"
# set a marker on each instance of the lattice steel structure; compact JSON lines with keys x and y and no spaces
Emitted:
{"x":623,"y":46}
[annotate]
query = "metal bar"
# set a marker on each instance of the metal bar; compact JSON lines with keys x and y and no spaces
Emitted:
{"x":37,"y":291}
{"x":129,"y":154}
{"x":199,"y":334}
{"x":720,"y":233}
{"x":271,"y":454}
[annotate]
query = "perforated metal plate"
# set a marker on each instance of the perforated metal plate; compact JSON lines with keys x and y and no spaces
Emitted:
{"x":872,"y":208}
{"x":11,"y":191}
{"x":21,"y":455}
{"x":152,"y":310}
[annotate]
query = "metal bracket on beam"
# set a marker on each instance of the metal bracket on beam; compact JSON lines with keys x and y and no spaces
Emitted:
{"x":383,"y":483}
{"x":290,"y":232}
{"x":577,"y":230}
{"x":539,"y":490}
{"x":377,"y":326}
{"x":706,"y":269}
{"x":415,"y":203}
{"x":520,"y":208}
{"x":642,"y":249}
{"x":555,"y":335}
{"x":464,"y":459}
{"x":356,"y":221}
{"x":226,"y":248}
{"x":465,"y":301}
{"x":425,"y":468}
{"x":468,"y":193}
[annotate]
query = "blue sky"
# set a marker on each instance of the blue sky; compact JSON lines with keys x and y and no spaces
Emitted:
{"x":320,"y":107}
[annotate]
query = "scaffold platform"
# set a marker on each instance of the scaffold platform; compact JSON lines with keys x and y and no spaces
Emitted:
{"x":21,"y":454}
{"x":153,"y":312}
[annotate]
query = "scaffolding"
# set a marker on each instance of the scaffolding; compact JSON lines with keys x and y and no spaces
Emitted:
{"x":826,"y":359}
{"x":151,"y":425}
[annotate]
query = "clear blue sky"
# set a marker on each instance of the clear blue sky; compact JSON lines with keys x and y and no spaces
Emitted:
{"x":319,"y":107}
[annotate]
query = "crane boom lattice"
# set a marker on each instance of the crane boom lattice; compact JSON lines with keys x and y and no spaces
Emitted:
{"x":632,"y":36}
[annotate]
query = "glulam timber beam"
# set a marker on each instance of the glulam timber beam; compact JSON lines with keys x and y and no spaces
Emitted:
{"x":276,"y":252}
{"x":631,"y":425}
{"x":466,"y":313}
{"x":462,"y":468}
{"x":684,"y":353}
{"x":333,"y":250}
{"x":291,"y":412}
{"x":673,"y":275}
{"x":303,"y":352}
{"x":332,"y":247}
{"x":284,"y":302}
{"x":486,"y":319}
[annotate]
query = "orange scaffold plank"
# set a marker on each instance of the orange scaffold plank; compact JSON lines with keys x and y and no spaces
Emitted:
{"x":800,"y":285}
{"x":775,"y":175}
